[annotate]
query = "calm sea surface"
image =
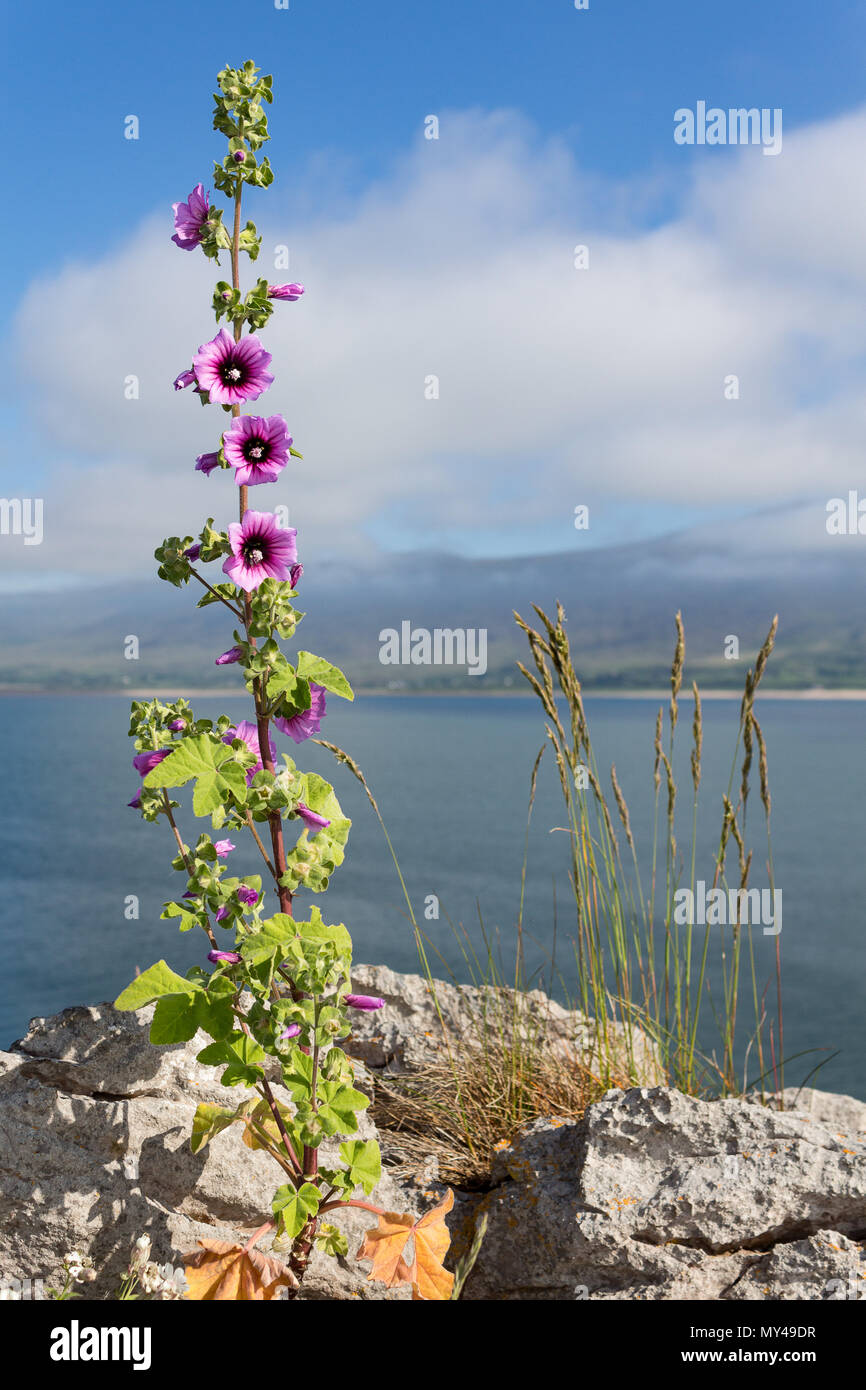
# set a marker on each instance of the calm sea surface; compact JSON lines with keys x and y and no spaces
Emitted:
{"x":451,"y":776}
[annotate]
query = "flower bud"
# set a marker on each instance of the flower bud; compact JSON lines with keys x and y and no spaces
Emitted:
{"x":368,"y":1002}
{"x":227,"y":658}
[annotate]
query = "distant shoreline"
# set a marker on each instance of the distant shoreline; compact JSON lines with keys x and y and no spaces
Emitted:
{"x":173,"y":693}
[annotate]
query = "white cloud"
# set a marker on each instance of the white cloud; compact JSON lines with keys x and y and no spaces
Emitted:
{"x":557,"y":385}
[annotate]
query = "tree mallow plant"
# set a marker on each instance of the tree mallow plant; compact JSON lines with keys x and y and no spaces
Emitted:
{"x":277,"y":986}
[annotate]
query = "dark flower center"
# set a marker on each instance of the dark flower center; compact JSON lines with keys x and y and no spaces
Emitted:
{"x":253,"y":551}
{"x":255,"y":450}
{"x":231,"y":372}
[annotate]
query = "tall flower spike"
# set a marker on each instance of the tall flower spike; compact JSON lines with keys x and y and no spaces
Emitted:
{"x":260,"y":564}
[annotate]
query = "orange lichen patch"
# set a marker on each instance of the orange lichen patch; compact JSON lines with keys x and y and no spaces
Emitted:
{"x":619,"y":1202}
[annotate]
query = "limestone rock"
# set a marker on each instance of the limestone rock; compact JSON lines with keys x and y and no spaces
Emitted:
{"x":94,"y":1152}
{"x":652,"y":1195}
{"x":656,"y":1195}
{"x":411,"y":1028}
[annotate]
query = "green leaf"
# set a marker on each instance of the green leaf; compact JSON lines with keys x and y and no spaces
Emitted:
{"x":364,"y":1162}
{"x":285,"y":681}
{"x":337,"y":1106}
{"x":331,"y":1240}
{"x":210,"y":764}
{"x":188,"y":919}
{"x":174,"y":1019}
{"x":160,"y":979}
{"x":298,"y":1076}
{"x":212,"y":1119}
{"x":318,"y":930}
{"x":273,"y":939}
{"x":243,"y":1055}
{"x":315,"y":668}
{"x":315,"y":857}
{"x":294,"y":1206}
{"x":213,"y":1016}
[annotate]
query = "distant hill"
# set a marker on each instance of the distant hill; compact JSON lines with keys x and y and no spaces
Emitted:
{"x":620,"y":604}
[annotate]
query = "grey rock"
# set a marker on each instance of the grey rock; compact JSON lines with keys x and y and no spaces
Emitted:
{"x":841,"y":1113}
{"x":655,"y":1195}
{"x":652,"y":1195}
{"x":94,"y":1152}
{"x":413,"y":1026}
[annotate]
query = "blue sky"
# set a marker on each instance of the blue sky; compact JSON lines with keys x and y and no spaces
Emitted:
{"x":581,"y":147}
{"x":353,"y":75}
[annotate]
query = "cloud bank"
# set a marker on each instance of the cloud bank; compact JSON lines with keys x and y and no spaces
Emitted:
{"x":557,"y":385}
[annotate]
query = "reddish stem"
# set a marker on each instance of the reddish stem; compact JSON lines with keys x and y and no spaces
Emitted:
{"x":353,"y":1202}
{"x":263,"y":1230}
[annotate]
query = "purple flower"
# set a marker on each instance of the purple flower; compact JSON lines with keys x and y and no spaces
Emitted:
{"x":224,"y":847}
{"x":146,"y":762}
{"x":184,"y":379}
{"x":248,"y":896}
{"x":232,"y":372}
{"x":230,"y":657}
{"x":192,"y":552}
{"x":290,"y":292}
{"x":363,"y":1001}
{"x":312,"y":821}
{"x":239,"y":156}
{"x":257,"y":447}
{"x":189,"y":219}
{"x":190,"y":894}
{"x":308,"y":722}
{"x":222,"y":913}
{"x":176,"y":725}
{"x":248,"y":733}
{"x":261,"y":550}
{"x":135,"y":803}
{"x":294,"y":575}
{"x":206,"y":463}
{"x":231,"y":957}
{"x":292,"y":1031}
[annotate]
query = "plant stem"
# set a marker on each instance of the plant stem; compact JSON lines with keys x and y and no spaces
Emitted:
{"x":280,"y":1123}
{"x":303,"y":1244}
{"x":255,"y":835}
{"x":352,"y":1202}
{"x":230,"y":606}
{"x":188,"y":866}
